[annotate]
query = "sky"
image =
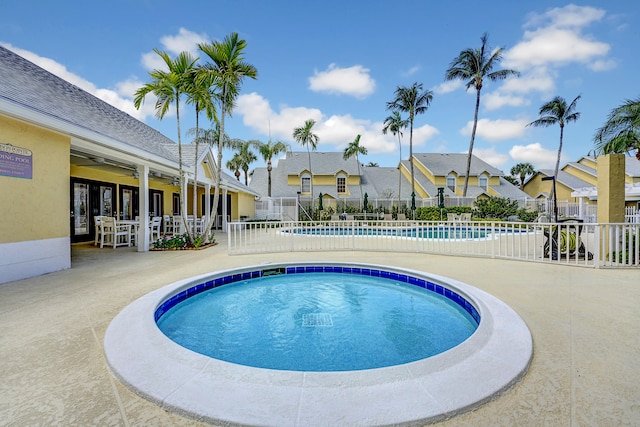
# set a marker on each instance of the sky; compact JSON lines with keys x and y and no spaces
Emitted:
{"x":340,"y":62}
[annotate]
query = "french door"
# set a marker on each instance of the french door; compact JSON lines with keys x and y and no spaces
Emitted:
{"x":88,"y":200}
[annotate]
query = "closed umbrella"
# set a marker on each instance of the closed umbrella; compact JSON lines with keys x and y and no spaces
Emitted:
{"x":320,"y":202}
{"x":366,"y":201}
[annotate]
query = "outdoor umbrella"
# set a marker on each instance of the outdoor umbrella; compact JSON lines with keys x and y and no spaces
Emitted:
{"x":413,"y":201}
{"x":366,"y":201}
{"x":320,"y":202}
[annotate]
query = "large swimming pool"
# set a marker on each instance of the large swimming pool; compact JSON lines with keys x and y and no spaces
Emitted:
{"x":445,"y":232}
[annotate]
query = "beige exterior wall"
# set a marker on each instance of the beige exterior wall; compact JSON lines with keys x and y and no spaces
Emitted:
{"x":37,"y":208}
{"x":611,"y":168}
{"x":245,"y":205}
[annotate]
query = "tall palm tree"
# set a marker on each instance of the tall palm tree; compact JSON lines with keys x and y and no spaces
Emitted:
{"x":268,"y":150}
{"x":522,"y":170}
{"x":558,"y":112}
{"x":395,"y":123}
{"x":169,"y":87}
{"x":621,"y":132}
{"x":235,"y":164}
{"x":246,"y":157}
{"x":412,"y":100}
{"x":353,"y":149}
{"x":200,"y":95}
{"x":227,"y":70}
{"x":474,"y":66}
{"x":304,"y":136}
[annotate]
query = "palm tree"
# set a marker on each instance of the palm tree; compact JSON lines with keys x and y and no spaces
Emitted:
{"x":372,"y":165}
{"x":305,"y":137}
{"x":621,"y":132}
{"x":168,"y":87}
{"x":227,"y":71}
{"x":554,"y":112}
{"x":395,"y":123}
{"x":200,"y":95}
{"x":268,"y":150}
{"x":235,"y":164}
{"x":353,"y":149}
{"x":412,"y":100}
{"x":522,"y":170}
{"x":246,"y":157}
{"x":473,"y":66}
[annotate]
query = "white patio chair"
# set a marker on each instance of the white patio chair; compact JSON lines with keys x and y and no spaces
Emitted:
{"x":167,"y":224}
{"x":453,"y":217}
{"x":465,"y":217}
{"x":154,"y":228}
{"x":177,"y":225}
{"x":98,"y":229}
{"x":114,"y":234}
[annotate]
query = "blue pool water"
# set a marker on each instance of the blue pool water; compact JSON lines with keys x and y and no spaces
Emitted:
{"x":318,"y":322}
{"x":449,"y":233}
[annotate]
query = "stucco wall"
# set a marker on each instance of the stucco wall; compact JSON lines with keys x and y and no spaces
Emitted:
{"x":37,"y":208}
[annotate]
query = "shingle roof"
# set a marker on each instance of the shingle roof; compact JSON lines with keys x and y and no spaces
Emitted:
{"x":567,"y":179}
{"x":377,"y":182}
{"x":440,"y":164}
{"x":25,"y":84}
{"x":322,"y":163}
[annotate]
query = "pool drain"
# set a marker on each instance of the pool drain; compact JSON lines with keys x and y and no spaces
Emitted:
{"x":317,"y":319}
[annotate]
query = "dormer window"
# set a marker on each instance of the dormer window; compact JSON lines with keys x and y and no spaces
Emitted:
{"x":483,"y":182}
{"x":341,"y":184}
{"x":305,"y":184}
{"x":451,"y":182}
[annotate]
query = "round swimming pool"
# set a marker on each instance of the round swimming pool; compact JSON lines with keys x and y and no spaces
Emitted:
{"x":479,"y":369}
{"x":320,"y":321}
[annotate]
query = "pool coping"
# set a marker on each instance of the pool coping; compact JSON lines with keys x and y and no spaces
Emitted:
{"x":463,"y":378}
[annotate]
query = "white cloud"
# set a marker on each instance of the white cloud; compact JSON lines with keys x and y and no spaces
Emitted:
{"x":495,"y":100}
{"x":491,"y":156}
{"x":449,"y":86}
{"x":496,"y":130}
{"x":411,"y":71}
{"x":557,"y":39}
{"x":334,"y":132}
{"x":536,"y":154}
{"x":569,"y":16}
{"x":536,"y":79}
{"x":184,"y":41}
{"x":354,"y":81}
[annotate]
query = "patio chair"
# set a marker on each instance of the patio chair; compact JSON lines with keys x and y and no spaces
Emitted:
{"x":98,"y":229}
{"x":465,"y":217}
{"x":402,"y":217}
{"x":563,"y":240}
{"x":335,"y":217}
{"x":167,"y":224}
{"x":114,"y":234}
{"x":453,"y":217}
{"x":154,"y":228}
{"x":388,"y":217}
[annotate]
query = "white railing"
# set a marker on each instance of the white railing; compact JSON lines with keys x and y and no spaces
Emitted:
{"x":571,"y":243}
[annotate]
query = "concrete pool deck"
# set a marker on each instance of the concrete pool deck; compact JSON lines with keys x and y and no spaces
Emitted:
{"x":584,"y":324}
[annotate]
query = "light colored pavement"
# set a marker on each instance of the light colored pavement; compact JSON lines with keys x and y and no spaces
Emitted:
{"x":585,"y":369}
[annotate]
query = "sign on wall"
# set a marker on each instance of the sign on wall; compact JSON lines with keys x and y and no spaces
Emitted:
{"x":16,"y":161}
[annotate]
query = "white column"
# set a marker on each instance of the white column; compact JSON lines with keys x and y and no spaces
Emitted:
{"x":207,"y":202}
{"x":142,"y":239}
{"x":581,"y":208}
{"x":224,"y":210}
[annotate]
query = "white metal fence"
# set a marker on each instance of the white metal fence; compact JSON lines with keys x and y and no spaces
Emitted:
{"x":571,"y":243}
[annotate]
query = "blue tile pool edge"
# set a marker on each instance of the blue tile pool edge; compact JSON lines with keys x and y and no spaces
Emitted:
{"x":365,"y":271}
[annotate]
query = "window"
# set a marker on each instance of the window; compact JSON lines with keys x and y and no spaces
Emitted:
{"x":341,"y":184}
{"x":305,"y":184}
{"x":451,"y":182}
{"x":483,"y":182}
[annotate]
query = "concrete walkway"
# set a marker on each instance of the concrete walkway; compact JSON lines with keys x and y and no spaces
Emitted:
{"x":584,"y":322}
